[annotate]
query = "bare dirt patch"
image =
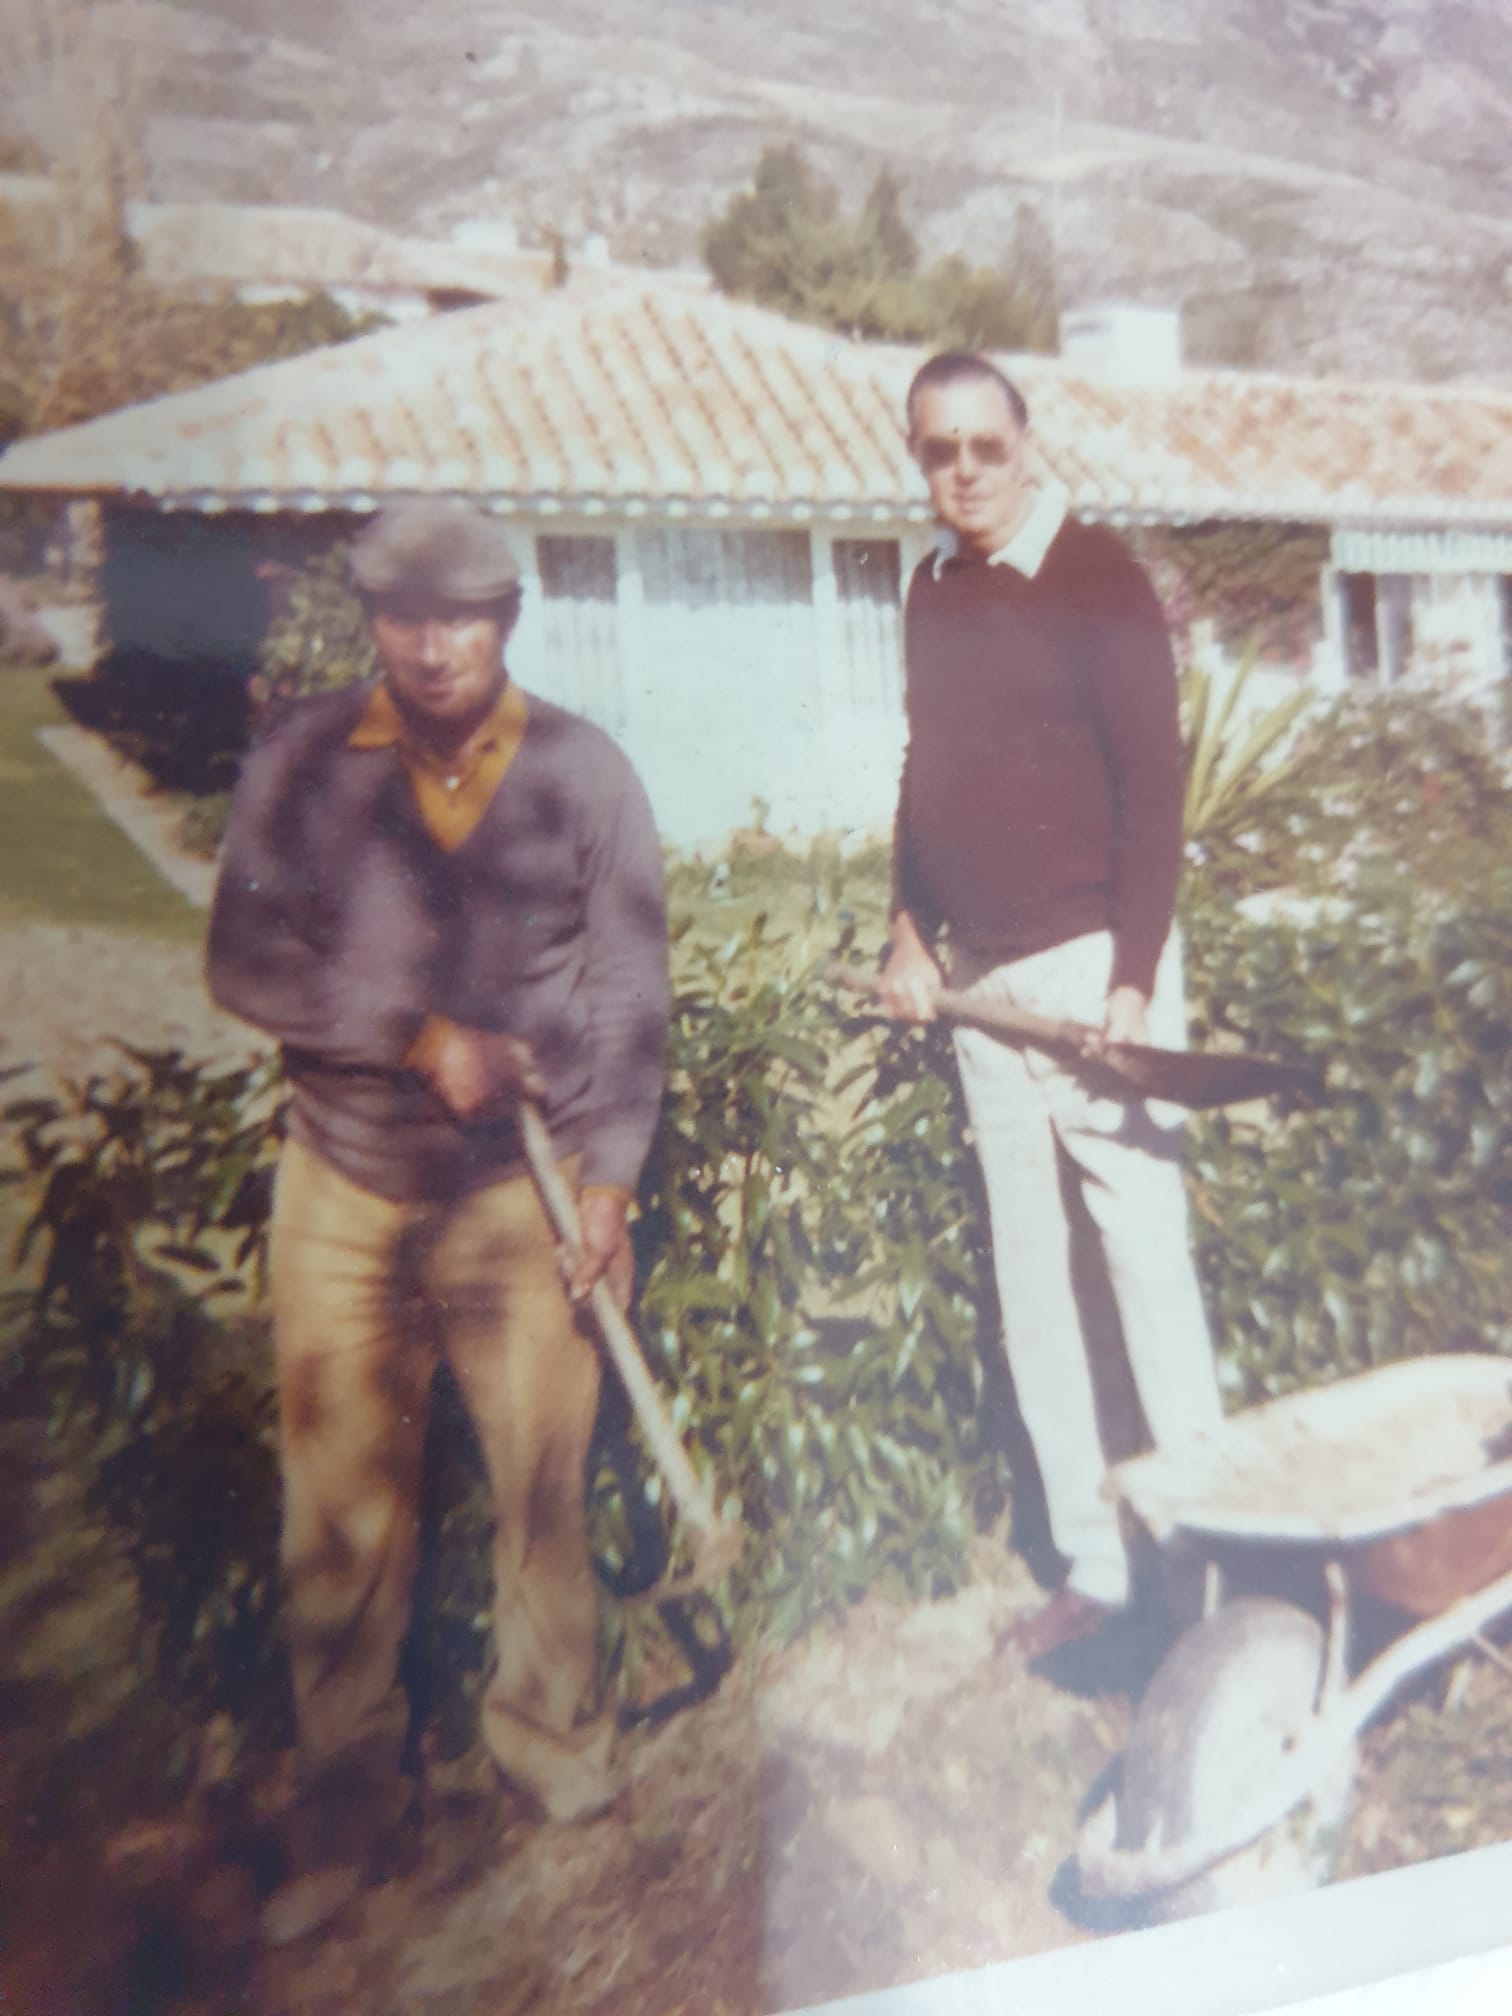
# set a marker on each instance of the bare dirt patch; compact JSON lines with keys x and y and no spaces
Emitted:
{"x":888,"y":1802}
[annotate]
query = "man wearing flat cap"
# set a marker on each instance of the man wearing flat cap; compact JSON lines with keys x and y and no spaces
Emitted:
{"x":439,"y":892}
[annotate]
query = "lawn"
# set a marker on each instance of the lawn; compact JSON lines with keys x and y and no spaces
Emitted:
{"x":62,"y":860}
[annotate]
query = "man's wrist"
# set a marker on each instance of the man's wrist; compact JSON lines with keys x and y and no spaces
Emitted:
{"x":904,"y":934}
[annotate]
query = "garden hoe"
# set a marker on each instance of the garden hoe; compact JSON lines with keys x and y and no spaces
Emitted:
{"x":1181,"y":1077}
{"x":716,"y":1542}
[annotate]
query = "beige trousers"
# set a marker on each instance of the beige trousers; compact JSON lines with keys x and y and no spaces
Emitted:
{"x":1032,"y":1119}
{"x":366,"y":1295}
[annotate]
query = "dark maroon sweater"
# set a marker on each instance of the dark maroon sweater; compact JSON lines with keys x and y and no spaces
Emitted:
{"x":1042,"y":790}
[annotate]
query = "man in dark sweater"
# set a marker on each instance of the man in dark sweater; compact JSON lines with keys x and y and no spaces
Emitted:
{"x":437,"y":892}
{"x":1037,"y":851}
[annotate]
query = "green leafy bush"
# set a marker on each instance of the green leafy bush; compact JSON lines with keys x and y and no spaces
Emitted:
{"x":318,"y":639}
{"x":142,"y":1181}
{"x":1390,"y":781}
{"x":812,"y":1290}
{"x":813,"y":1286}
{"x":150,"y":1195}
{"x":1378,"y":1225}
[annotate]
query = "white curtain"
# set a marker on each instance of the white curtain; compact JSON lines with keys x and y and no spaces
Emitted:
{"x":580,"y":638}
{"x":726,"y":703}
{"x":866,"y":598}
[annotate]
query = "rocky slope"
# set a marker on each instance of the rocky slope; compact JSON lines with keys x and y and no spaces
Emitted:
{"x":1323,"y":186}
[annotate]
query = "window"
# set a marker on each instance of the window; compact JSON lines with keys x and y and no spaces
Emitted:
{"x":1378,"y":626}
{"x":580,"y":624}
{"x":729,"y":669}
{"x":866,"y":596}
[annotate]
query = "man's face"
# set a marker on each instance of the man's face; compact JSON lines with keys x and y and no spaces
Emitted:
{"x":973,"y":455}
{"x":443,"y":663}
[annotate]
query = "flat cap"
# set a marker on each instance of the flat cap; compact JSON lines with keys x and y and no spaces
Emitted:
{"x":434,"y":549}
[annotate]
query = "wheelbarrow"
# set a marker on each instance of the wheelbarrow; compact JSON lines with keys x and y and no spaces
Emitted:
{"x":1395,"y":1484}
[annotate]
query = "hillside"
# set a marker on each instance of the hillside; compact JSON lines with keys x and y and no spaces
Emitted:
{"x":1324,"y":186}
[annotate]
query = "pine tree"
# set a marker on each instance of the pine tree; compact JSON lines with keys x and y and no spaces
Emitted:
{"x":884,"y":230}
{"x":785,"y":243}
{"x":776,"y":242}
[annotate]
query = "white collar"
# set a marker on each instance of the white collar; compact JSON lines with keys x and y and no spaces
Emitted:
{"x":1026,"y":550}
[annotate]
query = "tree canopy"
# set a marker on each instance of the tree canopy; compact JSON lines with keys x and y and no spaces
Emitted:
{"x":81,"y":330}
{"x":786,"y":243}
{"x":83,"y":333}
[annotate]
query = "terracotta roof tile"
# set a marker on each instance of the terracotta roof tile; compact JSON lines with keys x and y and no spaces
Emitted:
{"x":648,"y":397}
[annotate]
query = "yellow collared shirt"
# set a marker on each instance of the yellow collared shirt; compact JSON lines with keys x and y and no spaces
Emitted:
{"x":452,"y":798}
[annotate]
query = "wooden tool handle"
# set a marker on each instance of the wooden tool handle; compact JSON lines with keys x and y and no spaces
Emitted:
{"x":692,"y":1499}
{"x":1002,"y":1017}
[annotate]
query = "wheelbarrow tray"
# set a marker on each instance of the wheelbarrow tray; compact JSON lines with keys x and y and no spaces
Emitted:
{"x":1408,"y":1467}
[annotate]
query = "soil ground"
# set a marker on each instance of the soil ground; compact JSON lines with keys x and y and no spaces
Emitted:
{"x":891,"y":1800}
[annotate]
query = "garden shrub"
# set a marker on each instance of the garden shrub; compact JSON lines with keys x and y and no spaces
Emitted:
{"x":812,"y":1289}
{"x":1389,"y":782}
{"x":1369,"y":784}
{"x":814,"y":1284}
{"x":318,"y":638}
{"x":1379,"y":1224}
{"x":150,"y":1192}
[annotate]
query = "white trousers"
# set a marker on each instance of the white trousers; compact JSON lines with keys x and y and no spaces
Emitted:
{"x":1027,"y":1111}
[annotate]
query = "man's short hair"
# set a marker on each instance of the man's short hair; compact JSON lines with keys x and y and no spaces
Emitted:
{"x":952,"y":367}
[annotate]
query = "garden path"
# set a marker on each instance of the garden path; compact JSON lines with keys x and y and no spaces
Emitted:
{"x":60,"y":983}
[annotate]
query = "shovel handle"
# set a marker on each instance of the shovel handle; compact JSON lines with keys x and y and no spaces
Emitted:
{"x":1043,"y":1032}
{"x":690,"y":1495}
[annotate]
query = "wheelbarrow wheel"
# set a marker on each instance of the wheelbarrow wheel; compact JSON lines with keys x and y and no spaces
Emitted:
{"x":1220,"y":1717}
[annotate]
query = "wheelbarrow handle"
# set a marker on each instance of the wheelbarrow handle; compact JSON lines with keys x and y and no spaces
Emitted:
{"x":690,"y":1495}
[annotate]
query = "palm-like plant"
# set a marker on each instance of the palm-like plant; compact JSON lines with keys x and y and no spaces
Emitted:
{"x":1233,"y":766}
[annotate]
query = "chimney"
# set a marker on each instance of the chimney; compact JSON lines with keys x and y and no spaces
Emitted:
{"x":1121,"y":339}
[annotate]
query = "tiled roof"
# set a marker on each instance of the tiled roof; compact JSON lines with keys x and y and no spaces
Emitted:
{"x":651,"y":399}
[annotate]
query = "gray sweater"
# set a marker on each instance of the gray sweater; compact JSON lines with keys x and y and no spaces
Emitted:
{"x":340,"y":926}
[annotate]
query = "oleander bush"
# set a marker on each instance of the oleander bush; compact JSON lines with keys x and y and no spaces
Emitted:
{"x":1379,"y":1224}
